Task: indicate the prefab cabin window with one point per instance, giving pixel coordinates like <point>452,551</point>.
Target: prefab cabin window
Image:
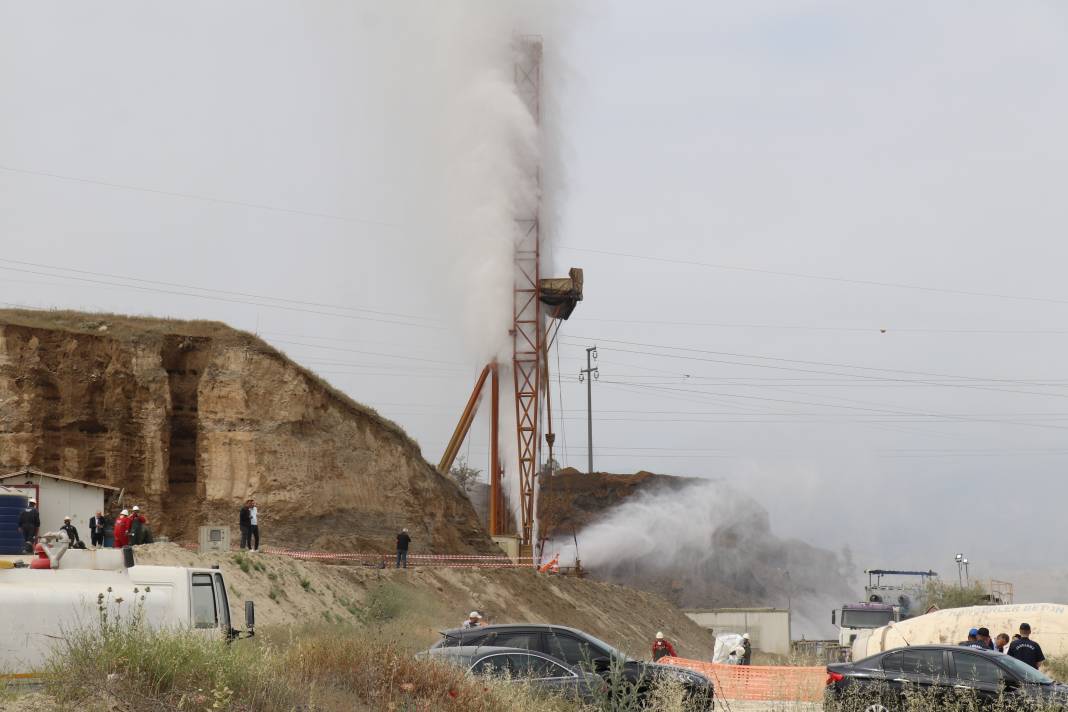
<point>205,614</point>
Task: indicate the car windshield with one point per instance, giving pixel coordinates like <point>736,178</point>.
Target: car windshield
<point>1025,672</point>
<point>854,618</point>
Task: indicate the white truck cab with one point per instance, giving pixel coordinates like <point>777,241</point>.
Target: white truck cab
<point>63,589</point>
<point>852,618</point>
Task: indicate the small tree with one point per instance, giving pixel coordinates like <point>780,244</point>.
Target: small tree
<point>464,474</point>
<point>943,595</point>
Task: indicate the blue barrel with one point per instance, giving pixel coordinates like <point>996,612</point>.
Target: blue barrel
<point>11,506</point>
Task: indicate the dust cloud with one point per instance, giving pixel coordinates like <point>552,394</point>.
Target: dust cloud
<point>707,545</point>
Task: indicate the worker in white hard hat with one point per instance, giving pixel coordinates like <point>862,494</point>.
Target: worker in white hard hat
<point>29,523</point>
<point>662,647</point>
<point>746,657</point>
<point>122,529</point>
<point>138,527</point>
<point>474,620</point>
<point>72,533</point>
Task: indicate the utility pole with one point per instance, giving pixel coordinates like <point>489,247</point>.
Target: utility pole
<point>589,374</point>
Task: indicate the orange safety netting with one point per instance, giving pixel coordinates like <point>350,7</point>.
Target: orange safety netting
<point>758,682</point>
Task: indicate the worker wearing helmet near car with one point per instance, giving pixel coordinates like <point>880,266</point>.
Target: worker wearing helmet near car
<point>662,647</point>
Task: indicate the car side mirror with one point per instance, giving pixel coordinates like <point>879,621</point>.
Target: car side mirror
<point>601,664</point>
<point>832,617</point>
<point>250,617</point>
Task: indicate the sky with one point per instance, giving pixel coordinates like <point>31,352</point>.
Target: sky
<point>819,238</point>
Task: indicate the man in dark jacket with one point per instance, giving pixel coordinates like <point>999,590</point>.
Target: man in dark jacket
<point>1026,650</point>
<point>403,540</point>
<point>97,525</point>
<point>72,534</point>
<point>29,523</point>
<point>244,521</point>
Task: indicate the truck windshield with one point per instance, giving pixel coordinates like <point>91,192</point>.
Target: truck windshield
<point>854,618</point>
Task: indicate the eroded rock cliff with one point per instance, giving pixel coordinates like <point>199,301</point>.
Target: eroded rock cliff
<point>193,417</point>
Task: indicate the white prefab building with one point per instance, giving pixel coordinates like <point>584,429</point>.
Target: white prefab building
<point>768,628</point>
<point>58,497</point>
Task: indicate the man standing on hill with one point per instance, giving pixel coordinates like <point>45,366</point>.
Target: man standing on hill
<point>1026,650</point>
<point>253,526</point>
<point>403,540</point>
<point>96,529</point>
<point>245,522</point>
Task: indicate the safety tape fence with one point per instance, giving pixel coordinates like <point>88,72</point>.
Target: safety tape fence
<point>760,682</point>
<point>472,561</point>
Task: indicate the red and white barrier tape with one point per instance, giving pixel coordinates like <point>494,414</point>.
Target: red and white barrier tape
<point>456,561</point>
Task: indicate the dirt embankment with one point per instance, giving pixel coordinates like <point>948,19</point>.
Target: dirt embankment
<point>422,601</point>
<point>191,418</point>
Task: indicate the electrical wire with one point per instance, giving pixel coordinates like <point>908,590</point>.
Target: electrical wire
<point>817,277</point>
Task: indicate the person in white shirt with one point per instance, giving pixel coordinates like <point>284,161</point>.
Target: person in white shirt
<point>254,526</point>
<point>473,621</point>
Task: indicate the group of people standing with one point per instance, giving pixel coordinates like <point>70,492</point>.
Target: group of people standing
<point>1020,646</point>
<point>130,527</point>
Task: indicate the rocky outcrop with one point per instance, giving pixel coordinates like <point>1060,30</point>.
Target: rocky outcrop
<point>193,417</point>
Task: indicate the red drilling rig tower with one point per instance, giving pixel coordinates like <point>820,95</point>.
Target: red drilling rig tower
<point>538,305</point>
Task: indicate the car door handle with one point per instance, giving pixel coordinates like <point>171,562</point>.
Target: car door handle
<point>899,679</point>
<point>961,687</point>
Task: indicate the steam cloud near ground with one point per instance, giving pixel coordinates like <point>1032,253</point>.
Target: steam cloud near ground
<point>706,545</point>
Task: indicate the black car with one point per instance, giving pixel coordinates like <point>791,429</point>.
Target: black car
<point>882,682</point>
<point>541,671</point>
<point>583,651</point>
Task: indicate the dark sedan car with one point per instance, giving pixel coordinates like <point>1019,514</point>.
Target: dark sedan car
<point>544,672</point>
<point>584,651</point>
<point>882,682</point>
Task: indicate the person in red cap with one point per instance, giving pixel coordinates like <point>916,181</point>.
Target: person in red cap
<point>662,647</point>
<point>122,529</point>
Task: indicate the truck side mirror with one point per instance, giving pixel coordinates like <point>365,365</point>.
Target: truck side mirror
<point>832,617</point>
<point>250,616</point>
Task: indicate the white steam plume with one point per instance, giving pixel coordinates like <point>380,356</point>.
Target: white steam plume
<point>704,545</point>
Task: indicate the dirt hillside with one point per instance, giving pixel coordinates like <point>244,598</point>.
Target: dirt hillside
<point>419,602</point>
<point>190,418</point>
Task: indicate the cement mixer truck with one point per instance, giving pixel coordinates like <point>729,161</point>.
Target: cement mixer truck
<point>61,589</point>
<point>886,601</point>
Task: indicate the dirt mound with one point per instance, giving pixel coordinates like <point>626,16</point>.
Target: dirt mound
<point>571,500</point>
<point>426,600</point>
<point>190,418</point>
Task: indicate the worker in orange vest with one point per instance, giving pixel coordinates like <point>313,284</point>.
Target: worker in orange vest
<point>662,647</point>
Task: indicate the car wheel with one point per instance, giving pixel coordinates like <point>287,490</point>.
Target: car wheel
<point>876,707</point>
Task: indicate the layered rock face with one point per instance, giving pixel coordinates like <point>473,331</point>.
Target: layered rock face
<point>191,418</point>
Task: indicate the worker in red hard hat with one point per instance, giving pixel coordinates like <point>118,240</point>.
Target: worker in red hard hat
<point>662,647</point>
<point>122,529</point>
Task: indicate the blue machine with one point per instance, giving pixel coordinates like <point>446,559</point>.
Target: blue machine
<point>11,506</point>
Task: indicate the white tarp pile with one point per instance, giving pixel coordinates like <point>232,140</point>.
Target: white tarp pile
<point>725,643</point>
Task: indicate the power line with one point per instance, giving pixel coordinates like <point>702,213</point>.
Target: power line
<point>193,196</point>
<point>808,327</point>
<point>973,385</point>
<point>818,277</point>
<point>267,305</point>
